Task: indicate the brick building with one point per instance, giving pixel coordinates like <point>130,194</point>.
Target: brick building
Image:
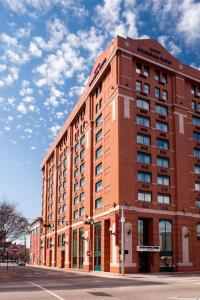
<point>132,142</point>
<point>35,242</point>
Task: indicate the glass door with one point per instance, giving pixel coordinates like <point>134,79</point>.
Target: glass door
<point>81,240</point>
<point>75,249</point>
<point>97,246</point>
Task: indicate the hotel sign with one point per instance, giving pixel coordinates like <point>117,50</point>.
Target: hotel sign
<point>148,248</point>
<point>155,54</point>
<point>97,70</point>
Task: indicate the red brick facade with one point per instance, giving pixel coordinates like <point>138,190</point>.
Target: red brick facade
<point>132,142</point>
<point>35,242</point>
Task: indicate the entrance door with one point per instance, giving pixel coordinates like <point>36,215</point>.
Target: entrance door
<point>50,258</point>
<point>97,246</point>
<point>62,259</point>
<point>81,242</point>
<point>75,249</point>
<point>143,262</point>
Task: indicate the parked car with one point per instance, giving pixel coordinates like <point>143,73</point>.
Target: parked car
<point>21,263</point>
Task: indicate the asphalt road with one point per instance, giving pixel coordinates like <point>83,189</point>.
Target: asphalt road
<point>21,283</point>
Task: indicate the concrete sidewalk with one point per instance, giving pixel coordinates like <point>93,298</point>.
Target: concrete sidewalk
<point>146,276</point>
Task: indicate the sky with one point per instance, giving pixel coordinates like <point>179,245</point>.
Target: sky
<point>47,51</point>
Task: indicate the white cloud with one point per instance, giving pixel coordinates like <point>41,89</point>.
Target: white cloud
<point>28,130</point>
<point>2,67</point>
<point>59,115</point>
<point>76,91</point>
<point>54,129</point>
<point>22,108</point>
<point>117,17</point>
<point>10,118</point>
<point>33,148</point>
<point>7,128</point>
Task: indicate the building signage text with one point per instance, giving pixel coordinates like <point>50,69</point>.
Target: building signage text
<point>148,248</point>
<point>96,71</point>
<point>154,54</point>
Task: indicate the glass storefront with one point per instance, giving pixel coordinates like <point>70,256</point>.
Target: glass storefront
<point>81,243</point>
<point>166,250</point>
<point>75,249</point>
<point>97,246</point>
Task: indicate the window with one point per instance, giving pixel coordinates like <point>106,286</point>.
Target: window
<point>192,89</point>
<point>144,196</point>
<point>63,220</point>
<point>163,198</point>
<point>146,89</point>
<point>82,140</point>
<point>99,136</point>
<point>197,169</point>
<point>60,198</point>
<point>198,231</point>
<point>196,136</point>
<point>143,139</point>
<point>164,95</point>
<point>81,211</point>
<point>76,214</point>
<point>100,103</point>
<point>143,121</point>
<point>138,86</point>
<point>165,236</point>
<point>64,208</point>
<point>76,159</point>
<point>162,110</point>
<point>157,76</point>
<point>196,153</point>
<point>63,239</point>
<point>59,240</point>
<point>82,196</point>
<point>197,203</point>
<point>64,161</point>
<point>82,153</point>
<point>163,180</point>
<point>146,71</point>
<point>76,187</point>
<point>162,126</point>
<point>98,120</point>
<point>196,121</point>
<point>162,162</point>
<point>164,78</point>
<point>64,184</point>
<point>193,105</point>
<point>64,196</point>
<point>143,158</point>
<point>197,186</point>
<point>162,144</point>
<point>99,152</point>
<point>64,172</point>
<point>157,92</point>
<point>76,146</point>
<point>144,176</point>
<point>98,203</point>
<point>82,182</point>
<point>138,68</point>
<point>144,104</point>
<point>99,169</point>
<point>98,186</point>
<point>76,200</point>
<point>76,173</point>
<point>82,168</point>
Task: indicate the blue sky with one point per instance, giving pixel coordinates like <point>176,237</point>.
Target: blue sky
<point>47,50</point>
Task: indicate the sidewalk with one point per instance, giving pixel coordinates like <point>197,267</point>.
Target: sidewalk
<point>146,276</point>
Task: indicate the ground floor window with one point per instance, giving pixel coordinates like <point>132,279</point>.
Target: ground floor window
<point>75,249</point>
<point>97,246</point>
<point>165,236</point>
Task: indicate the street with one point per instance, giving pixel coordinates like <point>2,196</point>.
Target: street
<point>22,283</point>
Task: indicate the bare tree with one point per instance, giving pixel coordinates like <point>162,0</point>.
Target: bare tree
<point>12,224</point>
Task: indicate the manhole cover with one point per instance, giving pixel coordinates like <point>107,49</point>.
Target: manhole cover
<point>100,294</point>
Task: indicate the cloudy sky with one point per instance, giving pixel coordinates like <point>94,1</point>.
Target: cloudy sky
<point>47,50</point>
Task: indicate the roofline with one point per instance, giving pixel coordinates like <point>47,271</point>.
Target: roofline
<point>88,89</point>
<point>74,111</point>
<point>38,219</point>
